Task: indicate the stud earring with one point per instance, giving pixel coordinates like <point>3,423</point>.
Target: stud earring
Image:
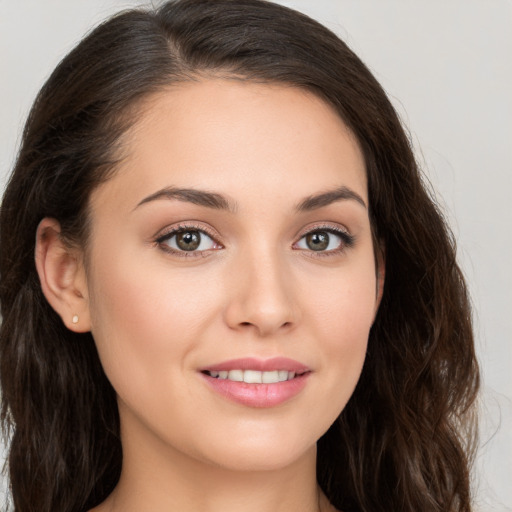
<point>75,319</point>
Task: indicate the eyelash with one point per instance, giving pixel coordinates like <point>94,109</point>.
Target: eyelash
<point>347,240</point>
<point>183,228</point>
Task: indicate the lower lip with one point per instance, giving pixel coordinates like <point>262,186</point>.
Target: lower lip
<point>258,395</point>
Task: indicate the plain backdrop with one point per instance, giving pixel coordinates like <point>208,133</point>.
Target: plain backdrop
<point>447,67</point>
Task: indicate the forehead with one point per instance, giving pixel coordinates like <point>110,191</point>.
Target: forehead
<point>237,137</point>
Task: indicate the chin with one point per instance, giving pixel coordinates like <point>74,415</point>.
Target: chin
<point>257,453</point>
<point>260,461</point>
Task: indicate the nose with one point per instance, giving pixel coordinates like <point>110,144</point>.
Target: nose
<point>261,297</point>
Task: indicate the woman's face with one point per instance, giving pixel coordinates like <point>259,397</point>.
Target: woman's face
<point>233,241</point>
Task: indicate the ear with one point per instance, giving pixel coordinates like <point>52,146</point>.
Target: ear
<point>62,276</point>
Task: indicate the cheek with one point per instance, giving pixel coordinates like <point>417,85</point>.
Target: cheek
<point>144,317</point>
<point>342,304</point>
<point>341,314</point>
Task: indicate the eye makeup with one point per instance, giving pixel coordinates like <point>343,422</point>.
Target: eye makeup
<point>197,240</point>
<point>317,240</point>
<point>188,240</point>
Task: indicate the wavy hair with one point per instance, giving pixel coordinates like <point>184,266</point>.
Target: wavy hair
<point>404,441</point>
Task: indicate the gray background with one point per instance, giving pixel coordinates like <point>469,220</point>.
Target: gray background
<point>447,66</point>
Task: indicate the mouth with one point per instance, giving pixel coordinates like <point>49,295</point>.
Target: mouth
<point>255,376</point>
<point>260,383</point>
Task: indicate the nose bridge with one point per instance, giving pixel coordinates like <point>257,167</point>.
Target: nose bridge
<point>261,295</point>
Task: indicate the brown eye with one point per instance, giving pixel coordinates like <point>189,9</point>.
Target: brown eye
<point>184,240</point>
<point>188,240</point>
<point>325,240</point>
<point>318,241</point>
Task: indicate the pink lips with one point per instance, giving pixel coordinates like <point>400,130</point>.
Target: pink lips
<point>258,395</point>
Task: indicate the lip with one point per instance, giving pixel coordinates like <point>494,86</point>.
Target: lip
<point>258,395</point>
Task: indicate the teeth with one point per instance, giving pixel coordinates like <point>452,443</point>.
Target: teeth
<point>254,376</point>
<point>236,375</point>
<point>270,377</point>
<point>282,375</point>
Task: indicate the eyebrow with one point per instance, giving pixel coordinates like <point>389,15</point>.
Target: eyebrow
<point>220,202</point>
<point>194,196</point>
<point>329,197</point>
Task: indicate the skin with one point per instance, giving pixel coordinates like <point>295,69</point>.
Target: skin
<point>256,290</point>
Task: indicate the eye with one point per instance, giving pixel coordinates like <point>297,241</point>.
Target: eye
<point>325,240</point>
<point>187,240</point>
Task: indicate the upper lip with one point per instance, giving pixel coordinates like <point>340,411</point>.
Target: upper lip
<point>262,365</point>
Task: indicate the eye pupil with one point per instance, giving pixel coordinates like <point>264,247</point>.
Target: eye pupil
<point>188,240</point>
<point>317,241</point>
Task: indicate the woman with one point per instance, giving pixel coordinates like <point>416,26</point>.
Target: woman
<point>242,295</point>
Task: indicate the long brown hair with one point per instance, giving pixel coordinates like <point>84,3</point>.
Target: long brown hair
<point>404,440</point>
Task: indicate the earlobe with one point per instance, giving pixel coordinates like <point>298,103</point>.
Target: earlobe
<point>62,276</point>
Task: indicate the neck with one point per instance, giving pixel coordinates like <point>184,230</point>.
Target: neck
<point>163,479</point>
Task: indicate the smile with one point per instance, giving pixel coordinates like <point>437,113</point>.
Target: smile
<point>254,376</point>
<point>257,383</point>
